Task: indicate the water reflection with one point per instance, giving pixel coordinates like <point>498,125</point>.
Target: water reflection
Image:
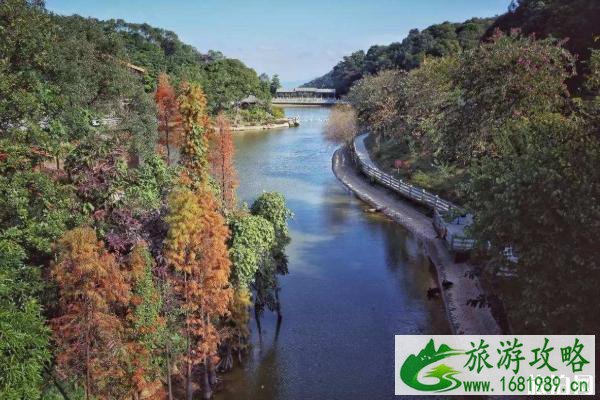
<point>355,280</point>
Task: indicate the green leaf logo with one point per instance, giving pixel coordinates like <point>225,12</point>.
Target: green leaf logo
<point>409,372</point>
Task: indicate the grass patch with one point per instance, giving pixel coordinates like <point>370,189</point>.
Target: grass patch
<point>442,179</point>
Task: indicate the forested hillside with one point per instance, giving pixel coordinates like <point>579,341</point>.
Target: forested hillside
<point>574,21</point>
<point>124,273</point>
<point>224,80</point>
<point>437,40</point>
<point>510,129</point>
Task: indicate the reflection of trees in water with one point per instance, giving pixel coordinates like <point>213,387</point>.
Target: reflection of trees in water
<point>414,274</point>
<point>266,291</point>
<point>262,377</point>
<point>405,260</point>
<point>267,377</point>
<point>395,245</point>
<point>336,205</point>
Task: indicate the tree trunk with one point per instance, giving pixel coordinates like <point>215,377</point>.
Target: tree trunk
<point>169,383</point>
<point>278,309</point>
<point>257,319</point>
<point>189,390</point>
<point>223,195</point>
<point>212,373</point>
<point>168,148</point>
<point>206,388</point>
<point>87,362</point>
<point>87,372</point>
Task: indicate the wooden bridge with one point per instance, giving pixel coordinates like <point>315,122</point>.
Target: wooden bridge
<point>449,220</point>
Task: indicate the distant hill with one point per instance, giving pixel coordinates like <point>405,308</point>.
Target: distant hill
<point>224,80</point>
<point>575,20</point>
<point>436,40</point>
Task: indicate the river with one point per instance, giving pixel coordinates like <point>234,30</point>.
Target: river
<point>355,279</point>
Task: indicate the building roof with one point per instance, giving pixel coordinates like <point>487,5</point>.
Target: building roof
<point>249,100</point>
<point>136,68</point>
<point>306,89</point>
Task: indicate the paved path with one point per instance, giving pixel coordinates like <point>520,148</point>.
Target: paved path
<point>463,318</point>
<point>361,150</point>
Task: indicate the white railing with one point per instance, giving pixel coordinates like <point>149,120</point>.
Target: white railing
<point>455,242</point>
<point>304,100</point>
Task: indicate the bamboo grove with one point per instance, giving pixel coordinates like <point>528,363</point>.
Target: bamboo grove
<point>127,269</point>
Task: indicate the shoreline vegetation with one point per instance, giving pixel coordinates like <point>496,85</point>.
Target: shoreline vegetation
<point>508,128</point>
<point>127,268</point>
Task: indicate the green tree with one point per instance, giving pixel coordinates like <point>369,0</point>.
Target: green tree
<point>196,128</point>
<point>509,78</point>
<point>275,84</point>
<point>574,21</point>
<point>430,100</point>
<point>541,199</point>
<point>25,45</point>
<point>35,210</point>
<point>271,206</point>
<point>252,239</point>
<point>377,99</point>
<point>228,81</point>
<point>146,349</point>
<point>24,336</point>
<point>250,250</point>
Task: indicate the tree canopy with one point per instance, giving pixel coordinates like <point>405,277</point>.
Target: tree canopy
<point>499,122</point>
<point>114,261</point>
<point>437,40</point>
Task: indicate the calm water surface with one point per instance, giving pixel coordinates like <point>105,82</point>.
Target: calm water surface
<point>355,279</point>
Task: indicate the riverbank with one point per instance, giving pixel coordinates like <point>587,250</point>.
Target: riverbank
<point>288,123</point>
<point>463,319</point>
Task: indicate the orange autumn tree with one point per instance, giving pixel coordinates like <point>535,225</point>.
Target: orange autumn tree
<point>169,119</point>
<point>196,250</point>
<point>196,131</point>
<point>221,160</point>
<point>88,330</point>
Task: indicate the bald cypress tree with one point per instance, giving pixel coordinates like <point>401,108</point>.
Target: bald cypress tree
<point>196,250</point>
<point>88,330</point>
<point>196,131</point>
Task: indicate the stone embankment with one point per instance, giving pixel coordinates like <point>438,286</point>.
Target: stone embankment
<point>283,123</point>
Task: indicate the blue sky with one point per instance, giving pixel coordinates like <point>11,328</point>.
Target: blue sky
<point>298,39</point>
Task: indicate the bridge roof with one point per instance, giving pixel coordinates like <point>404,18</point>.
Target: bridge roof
<point>306,89</point>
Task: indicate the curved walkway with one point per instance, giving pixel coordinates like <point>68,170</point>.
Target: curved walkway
<point>463,318</point>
